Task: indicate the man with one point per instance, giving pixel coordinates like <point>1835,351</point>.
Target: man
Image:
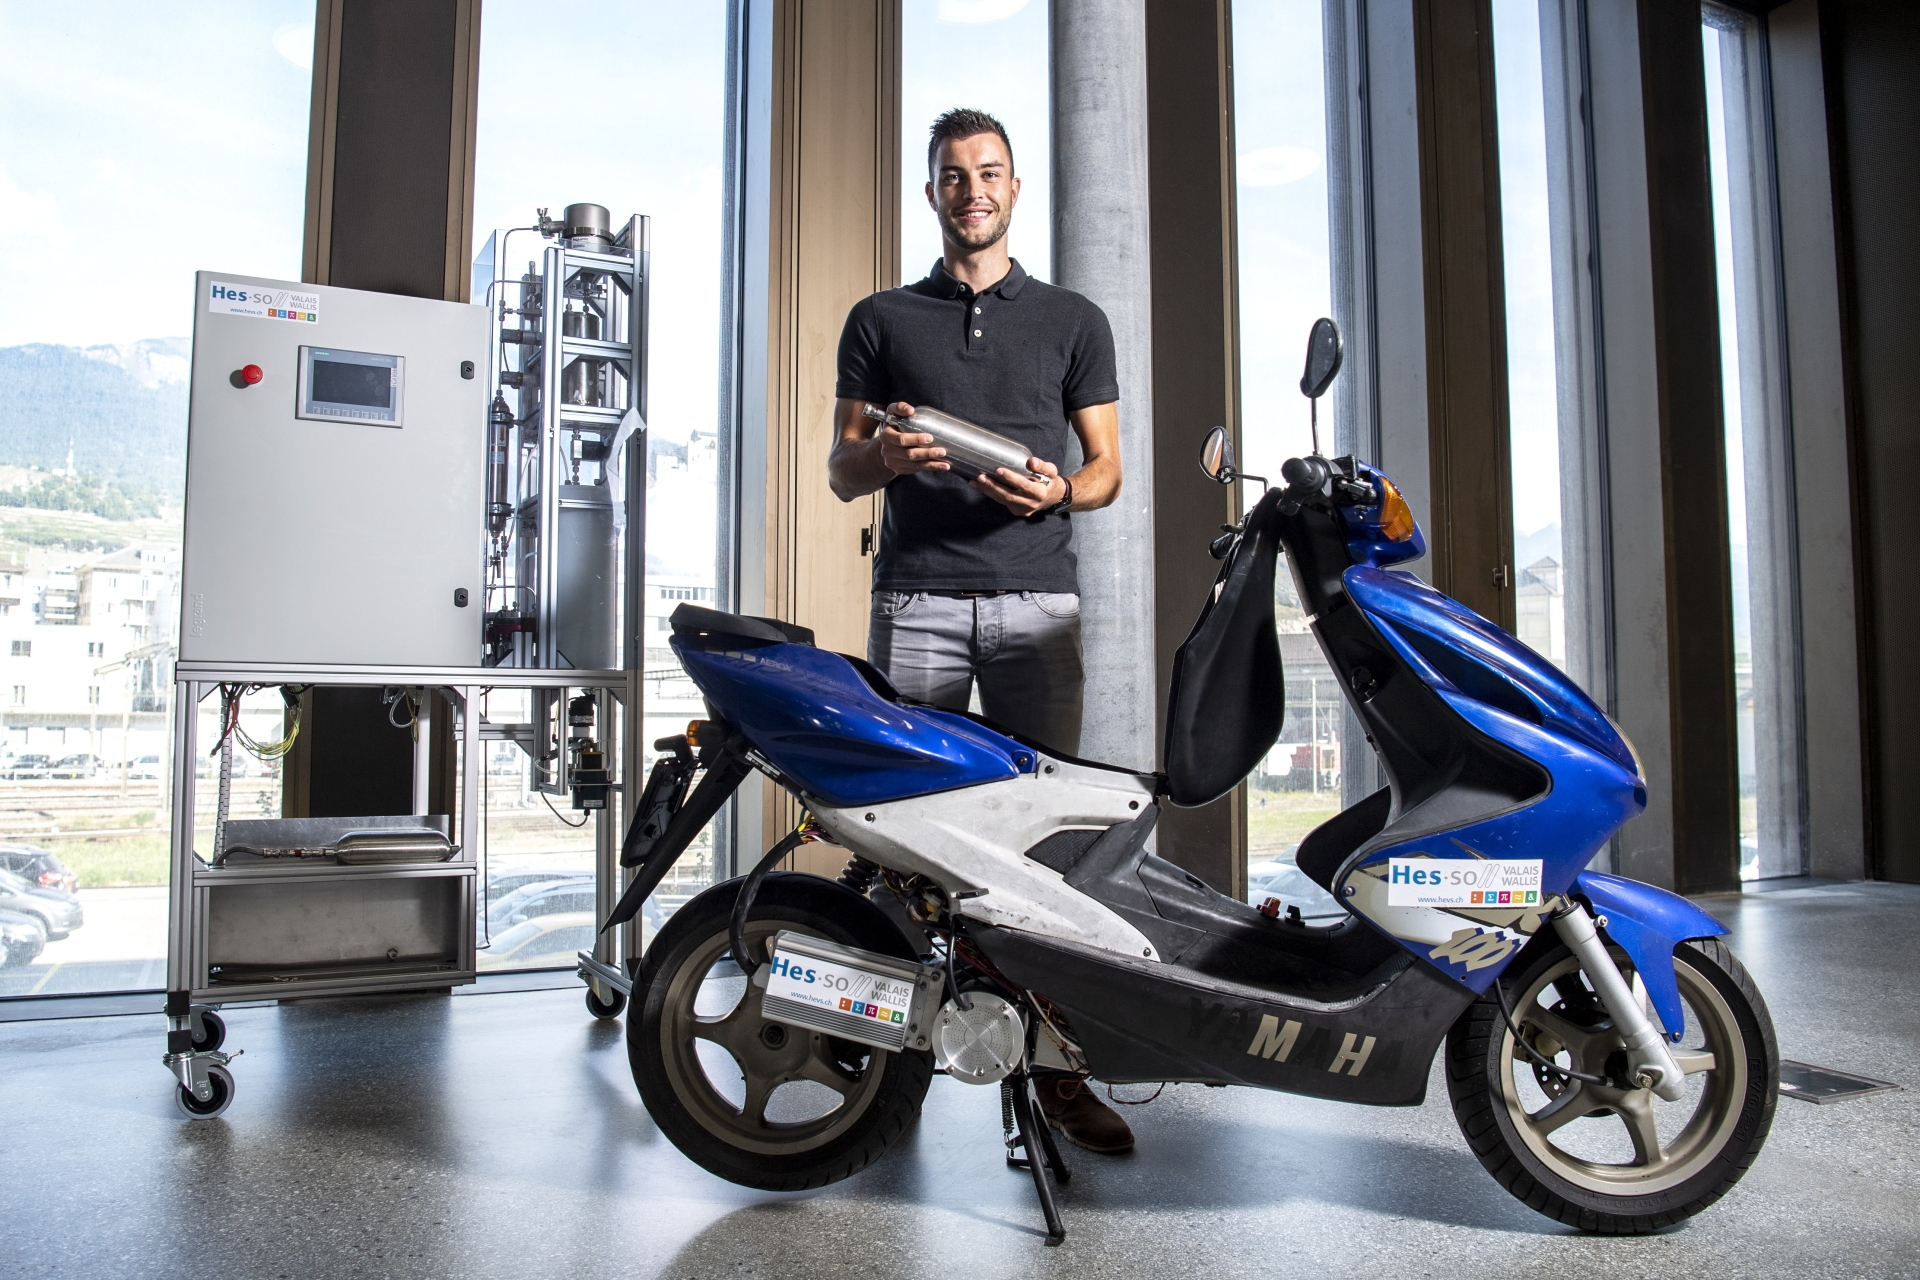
<point>974,582</point>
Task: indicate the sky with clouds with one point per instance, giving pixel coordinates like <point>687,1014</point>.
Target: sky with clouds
<point>144,142</point>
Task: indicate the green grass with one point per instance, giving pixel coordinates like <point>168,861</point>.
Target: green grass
<point>1277,819</point>
<point>115,862</point>
<point>25,527</point>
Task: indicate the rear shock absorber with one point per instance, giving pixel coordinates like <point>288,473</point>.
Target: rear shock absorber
<point>859,875</point>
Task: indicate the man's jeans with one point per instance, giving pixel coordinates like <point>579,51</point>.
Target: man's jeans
<point>1023,648</point>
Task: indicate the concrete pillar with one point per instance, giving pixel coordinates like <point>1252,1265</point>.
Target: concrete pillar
<point>1100,249</point>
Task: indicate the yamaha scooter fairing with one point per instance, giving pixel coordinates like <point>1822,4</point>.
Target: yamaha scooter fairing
<point>1608,1059</point>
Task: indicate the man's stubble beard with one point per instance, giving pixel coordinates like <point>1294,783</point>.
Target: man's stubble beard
<point>954,231</point>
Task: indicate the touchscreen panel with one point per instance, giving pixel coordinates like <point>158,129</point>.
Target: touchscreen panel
<point>351,386</point>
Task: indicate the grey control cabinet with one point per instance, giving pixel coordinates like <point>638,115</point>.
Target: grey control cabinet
<point>335,464</point>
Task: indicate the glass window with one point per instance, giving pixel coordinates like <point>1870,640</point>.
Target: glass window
<point>991,55</point>
<point>1285,282</point>
<point>131,133</point>
<point>1533,378</point>
<point>1760,519</point>
<point>644,133</point>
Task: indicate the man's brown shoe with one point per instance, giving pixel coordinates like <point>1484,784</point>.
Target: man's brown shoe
<point>1084,1120</point>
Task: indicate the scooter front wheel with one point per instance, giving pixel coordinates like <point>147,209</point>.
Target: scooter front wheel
<point>1611,1158</point>
<point>757,1102</point>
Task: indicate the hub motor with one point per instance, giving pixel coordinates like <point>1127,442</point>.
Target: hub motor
<point>982,1044</point>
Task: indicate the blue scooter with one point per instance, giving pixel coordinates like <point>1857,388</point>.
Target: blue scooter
<point>1608,1059</point>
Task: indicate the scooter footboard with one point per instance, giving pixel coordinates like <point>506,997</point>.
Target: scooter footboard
<point>1138,1021</point>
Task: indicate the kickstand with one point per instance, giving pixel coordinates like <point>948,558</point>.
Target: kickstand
<point>1032,1125</point>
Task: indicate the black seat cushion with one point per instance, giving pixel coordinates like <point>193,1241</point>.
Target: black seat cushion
<point>692,623</point>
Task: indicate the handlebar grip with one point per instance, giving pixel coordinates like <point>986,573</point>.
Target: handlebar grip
<point>1305,475</point>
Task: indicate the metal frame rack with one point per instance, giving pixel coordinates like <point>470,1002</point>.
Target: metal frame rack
<point>195,1031</point>
<point>561,606</point>
<point>553,466</point>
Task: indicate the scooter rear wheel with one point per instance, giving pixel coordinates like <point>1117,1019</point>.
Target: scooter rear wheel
<point>1615,1160</point>
<point>756,1102</point>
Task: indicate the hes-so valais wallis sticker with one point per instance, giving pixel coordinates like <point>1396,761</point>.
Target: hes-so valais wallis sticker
<point>262,304</point>
<point>1463,882</point>
<point>825,985</point>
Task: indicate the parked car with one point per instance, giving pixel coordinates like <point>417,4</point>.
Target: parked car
<point>83,765</point>
<point>542,899</point>
<point>145,767</point>
<point>29,766</point>
<point>21,939</point>
<point>1279,878</point>
<point>38,867</point>
<point>57,911</point>
<point>546,942</point>
<point>499,886</point>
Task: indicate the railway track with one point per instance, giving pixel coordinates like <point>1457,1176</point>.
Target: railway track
<point>54,810</point>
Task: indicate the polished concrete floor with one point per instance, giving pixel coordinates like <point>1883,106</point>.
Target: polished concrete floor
<point>500,1135</point>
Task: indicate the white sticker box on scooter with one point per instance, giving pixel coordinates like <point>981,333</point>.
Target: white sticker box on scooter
<point>1464,882</point>
<point>853,994</point>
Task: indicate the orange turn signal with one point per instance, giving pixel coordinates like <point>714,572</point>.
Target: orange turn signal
<point>693,732</point>
<point>1396,517</point>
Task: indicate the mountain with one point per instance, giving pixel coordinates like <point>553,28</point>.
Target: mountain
<point>123,407</point>
<point>1528,548</point>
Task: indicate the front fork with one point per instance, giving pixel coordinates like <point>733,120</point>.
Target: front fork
<point>1650,1064</point>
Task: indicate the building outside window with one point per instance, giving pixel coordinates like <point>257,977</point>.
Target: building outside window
<point>120,121</point>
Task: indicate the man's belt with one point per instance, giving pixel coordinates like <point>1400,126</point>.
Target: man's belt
<point>976,595</point>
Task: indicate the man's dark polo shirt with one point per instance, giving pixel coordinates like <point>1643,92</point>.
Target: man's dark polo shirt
<point>1015,359</point>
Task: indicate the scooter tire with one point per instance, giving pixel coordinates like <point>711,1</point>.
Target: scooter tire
<point>883,1097</point>
<point>1718,1142</point>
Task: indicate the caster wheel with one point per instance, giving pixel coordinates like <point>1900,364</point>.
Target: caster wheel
<point>194,1109</point>
<point>605,1009</point>
<point>213,1032</point>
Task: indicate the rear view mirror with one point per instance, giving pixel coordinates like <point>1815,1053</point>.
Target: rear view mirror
<point>1324,353</point>
<point>1216,456</point>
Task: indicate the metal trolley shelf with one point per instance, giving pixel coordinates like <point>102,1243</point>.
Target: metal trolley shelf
<point>263,928</point>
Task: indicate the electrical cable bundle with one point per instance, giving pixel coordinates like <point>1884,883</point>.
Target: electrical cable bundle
<point>230,696</point>
<point>230,733</point>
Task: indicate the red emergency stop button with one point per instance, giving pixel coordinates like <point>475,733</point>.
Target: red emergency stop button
<point>252,374</point>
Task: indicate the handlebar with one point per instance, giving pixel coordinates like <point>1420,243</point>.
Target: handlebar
<point>1307,478</point>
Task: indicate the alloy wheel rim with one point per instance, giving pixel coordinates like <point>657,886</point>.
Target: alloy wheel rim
<point>767,1054</point>
<point>1671,1141</point>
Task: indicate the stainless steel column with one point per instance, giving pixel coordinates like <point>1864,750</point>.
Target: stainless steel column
<point>1100,249</point>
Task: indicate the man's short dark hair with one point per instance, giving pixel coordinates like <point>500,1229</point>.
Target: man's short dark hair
<point>964,122</point>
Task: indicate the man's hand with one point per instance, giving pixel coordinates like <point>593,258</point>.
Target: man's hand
<point>907,452</point>
<point>864,461</point>
<point>1021,494</point>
